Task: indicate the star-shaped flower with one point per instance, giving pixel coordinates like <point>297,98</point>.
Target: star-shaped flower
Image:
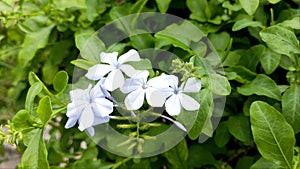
<point>176,97</point>
<point>114,68</point>
<point>89,107</point>
<point>138,87</point>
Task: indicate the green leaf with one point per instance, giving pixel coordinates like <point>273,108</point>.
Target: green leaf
<point>178,155</point>
<point>273,136</point>
<point>63,4</point>
<point>142,41</point>
<point>240,74</point>
<point>163,5</point>
<point>243,23</point>
<point>270,61</point>
<point>44,109</point>
<point>222,136</point>
<point>23,121</point>
<point>262,85</point>
<point>219,84</point>
<point>276,37</point>
<point>199,156</point>
<point>35,156</point>
<point>32,43</point>
<point>60,81</point>
<point>138,6</point>
<point>197,8</point>
<point>141,65</point>
<point>239,127</point>
<point>264,164</point>
<point>293,23</point>
<point>219,40</point>
<point>33,91</point>
<point>274,1</point>
<point>83,64</point>
<point>205,112</point>
<point>249,6</point>
<point>291,106</point>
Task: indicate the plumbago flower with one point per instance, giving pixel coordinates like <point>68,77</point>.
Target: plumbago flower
<point>89,107</point>
<point>114,68</point>
<point>138,87</point>
<point>176,97</point>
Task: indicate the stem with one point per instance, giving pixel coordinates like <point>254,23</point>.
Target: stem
<point>272,16</point>
<point>121,162</point>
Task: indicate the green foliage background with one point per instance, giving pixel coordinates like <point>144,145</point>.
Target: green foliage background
<point>258,41</point>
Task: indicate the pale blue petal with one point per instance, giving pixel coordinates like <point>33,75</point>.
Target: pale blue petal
<point>86,119</point>
<point>135,99</point>
<point>100,85</point>
<point>96,72</point>
<point>129,70</point>
<point>131,55</point>
<point>189,103</point>
<point>154,97</point>
<point>110,58</point>
<point>102,107</point>
<point>173,105</point>
<point>75,108</point>
<point>100,120</point>
<point>131,85</point>
<point>114,80</point>
<point>71,122</point>
<point>191,85</point>
<point>91,131</point>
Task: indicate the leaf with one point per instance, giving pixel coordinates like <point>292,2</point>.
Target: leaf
<point>142,41</point>
<point>35,156</point>
<point>239,127</point>
<point>240,74</point>
<point>205,112</point>
<point>273,136</point>
<point>138,6</point>
<point>291,106</point>
<point>143,64</point>
<point>264,164</point>
<point>222,136</point>
<point>44,109</point>
<point>262,85</point>
<point>60,81</point>
<point>199,156</point>
<point>249,6</point>
<point>243,23</point>
<point>163,5</point>
<point>33,91</point>
<point>32,43</point>
<point>219,84</point>
<point>270,61</point>
<point>178,155</point>
<point>197,8</point>
<point>23,121</point>
<point>276,37</point>
<point>219,40</point>
<point>293,23</point>
<point>274,1</point>
<point>63,4</point>
<point>83,64</point>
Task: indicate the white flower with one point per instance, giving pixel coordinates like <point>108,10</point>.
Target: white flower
<point>113,68</point>
<point>176,97</point>
<point>89,107</point>
<point>138,88</point>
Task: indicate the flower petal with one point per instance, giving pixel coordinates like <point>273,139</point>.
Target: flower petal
<point>189,103</point>
<point>191,85</point>
<point>75,108</point>
<point>131,85</point>
<point>173,105</point>
<point>96,72</point>
<point>129,70</point>
<point>110,58</point>
<point>86,119</point>
<point>154,97</point>
<point>91,131</point>
<point>135,99</point>
<point>131,55</point>
<point>71,122</point>
<point>100,120</point>
<point>102,107</point>
<point>114,80</point>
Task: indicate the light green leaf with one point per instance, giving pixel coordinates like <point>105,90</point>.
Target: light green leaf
<point>60,81</point>
<point>239,127</point>
<point>141,65</point>
<point>197,8</point>
<point>264,164</point>
<point>5,7</point>
<point>273,136</point>
<point>33,91</point>
<point>138,6</point>
<point>142,41</point>
<point>274,1</point>
<point>219,84</point>
<point>293,23</point>
<point>178,155</point>
<point>219,40</point>
<point>22,121</point>
<point>249,6</point>
<point>262,85</point>
<point>270,61</point>
<point>63,4</point>
<point>32,43</point>
<point>44,109</point>
<point>163,5</point>
<point>243,23</point>
<point>204,114</point>
<point>240,74</point>
<point>276,37</point>
<point>83,64</point>
<point>35,156</point>
<point>222,136</point>
<point>291,106</point>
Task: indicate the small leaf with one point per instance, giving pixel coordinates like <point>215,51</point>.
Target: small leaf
<point>291,106</point>
<point>243,23</point>
<point>239,127</point>
<point>35,156</point>
<point>270,61</point>
<point>222,136</point>
<point>249,6</point>
<point>63,4</point>
<point>219,84</point>
<point>274,1</point>
<point>178,155</point>
<point>60,81</point>
<point>273,136</point>
<point>143,64</point>
<point>265,164</point>
<point>293,23</point>
<point>262,85</point>
<point>23,121</point>
<point>83,64</point>
<point>138,6</point>
<point>33,91</point>
<point>197,8</point>
<point>276,37</point>
<point>163,5</point>
<point>44,109</point>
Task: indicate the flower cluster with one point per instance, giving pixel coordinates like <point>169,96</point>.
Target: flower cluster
<point>93,106</point>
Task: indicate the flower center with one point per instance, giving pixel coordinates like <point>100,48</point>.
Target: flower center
<point>176,91</point>
<point>117,66</point>
<point>145,85</point>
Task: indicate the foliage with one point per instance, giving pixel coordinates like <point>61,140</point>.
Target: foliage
<point>258,42</point>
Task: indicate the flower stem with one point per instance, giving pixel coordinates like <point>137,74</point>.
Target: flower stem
<point>121,162</point>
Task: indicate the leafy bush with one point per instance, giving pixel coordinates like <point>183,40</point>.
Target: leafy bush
<point>258,72</point>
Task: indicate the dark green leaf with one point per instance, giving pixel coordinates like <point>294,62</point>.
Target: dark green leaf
<point>243,23</point>
<point>178,155</point>
<point>197,8</point>
<point>138,6</point>
<point>264,164</point>
<point>60,81</point>
<point>163,5</point>
<point>44,109</point>
<point>273,136</point>
<point>222,136</point>
<point>239,127</point>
